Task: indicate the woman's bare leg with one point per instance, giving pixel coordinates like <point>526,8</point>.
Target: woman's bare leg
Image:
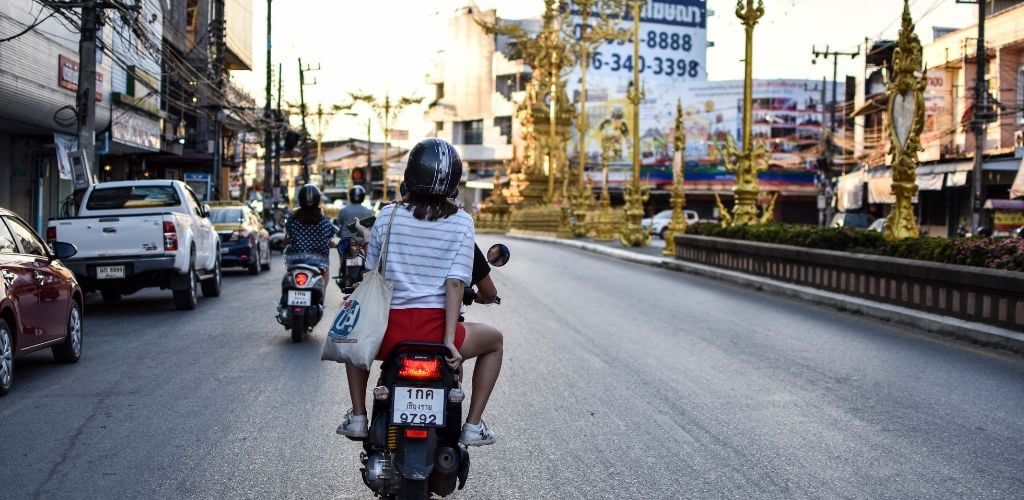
<point>485,343</point>
<point>357,378</point>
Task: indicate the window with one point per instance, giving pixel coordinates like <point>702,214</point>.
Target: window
<point>26,238</point>
<point>469,132</point>
<point>226,215</point>
<point>133,197</point>
<point>438,91</point>
<point>505,124</point>
<point>7,240</point>
<point>507,84</point>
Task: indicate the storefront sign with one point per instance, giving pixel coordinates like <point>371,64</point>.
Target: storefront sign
<point>65,144</point>
<point>133,129</point>
<point>67,76</point>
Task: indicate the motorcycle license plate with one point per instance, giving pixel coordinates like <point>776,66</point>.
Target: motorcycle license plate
<point>299,298</point>
<point>418,406</point>
<point>109,272</point>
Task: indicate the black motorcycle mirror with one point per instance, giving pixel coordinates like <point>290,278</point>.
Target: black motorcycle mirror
<point>498,255</point>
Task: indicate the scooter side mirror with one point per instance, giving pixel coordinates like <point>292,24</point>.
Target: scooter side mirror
<point>498,255</point>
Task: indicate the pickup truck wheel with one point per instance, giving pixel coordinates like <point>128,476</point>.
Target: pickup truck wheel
<point>6,357</point>
<point>185,299</point>
<point>662,233</point>
<point>71,349</point>
<point>211,285</point>
<point>110,296</point>
<point>254,267</point>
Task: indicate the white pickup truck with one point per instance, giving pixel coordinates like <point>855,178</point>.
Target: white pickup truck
<point>142,234</point>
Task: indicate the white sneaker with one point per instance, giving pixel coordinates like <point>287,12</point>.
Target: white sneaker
<point>476,435</point>
<point>354,426</point>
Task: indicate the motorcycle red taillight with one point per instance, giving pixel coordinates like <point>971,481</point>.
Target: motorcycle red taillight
<point>416,433</point>
<point>419,369</point>
<point>301,279</point>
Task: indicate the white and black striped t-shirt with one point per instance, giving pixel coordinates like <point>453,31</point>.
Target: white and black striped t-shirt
<point>422,255</point>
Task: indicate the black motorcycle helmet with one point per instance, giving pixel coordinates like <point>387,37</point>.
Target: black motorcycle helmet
<point>434,168</point>
<point>309,196</point>
<point>356,195</point>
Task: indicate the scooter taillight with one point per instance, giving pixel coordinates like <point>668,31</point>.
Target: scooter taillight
<point>419,369</point>
<point>416,433</point>
<point>301,279</point>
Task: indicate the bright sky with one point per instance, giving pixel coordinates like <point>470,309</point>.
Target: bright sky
<point>386,45</point>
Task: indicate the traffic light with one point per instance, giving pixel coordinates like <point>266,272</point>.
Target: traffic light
<point>358,177</point>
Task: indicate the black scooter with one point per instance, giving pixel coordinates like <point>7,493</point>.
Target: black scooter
<point>413,450</point>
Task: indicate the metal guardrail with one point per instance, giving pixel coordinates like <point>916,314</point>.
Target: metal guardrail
<point>983,295</point>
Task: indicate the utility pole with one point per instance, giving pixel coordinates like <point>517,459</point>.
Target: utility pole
<point>219,47</point>
<point>85,98</point>
<point>268,136</point>
<point>830,148</point>
<point>278,120</point>
<point>302,109</point>
<point>982,115</point>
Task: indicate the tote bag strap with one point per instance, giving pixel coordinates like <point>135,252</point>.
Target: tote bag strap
<point>381,265</point>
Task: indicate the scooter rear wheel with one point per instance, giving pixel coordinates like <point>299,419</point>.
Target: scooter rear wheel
<point>298,329</point>
<point>414,490</point>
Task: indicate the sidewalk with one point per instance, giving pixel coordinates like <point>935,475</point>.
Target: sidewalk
<point>977,333</point>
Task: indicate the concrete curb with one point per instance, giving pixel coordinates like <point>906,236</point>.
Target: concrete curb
<point>978,333</point>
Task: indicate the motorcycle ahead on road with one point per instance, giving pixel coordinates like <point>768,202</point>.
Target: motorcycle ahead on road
<point>412,450</point>
<point>302,298</point>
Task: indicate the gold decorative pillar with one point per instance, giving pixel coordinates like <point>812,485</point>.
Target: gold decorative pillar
<point>745,163</point>
<point>633,234</point>
<point>906,121</point>
<point>678,223</point>
<point>604,226</point>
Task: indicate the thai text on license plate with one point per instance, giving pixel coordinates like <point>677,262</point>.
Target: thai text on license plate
<point>109,272</point>
<point>421,406</point>
<point>299,298</point>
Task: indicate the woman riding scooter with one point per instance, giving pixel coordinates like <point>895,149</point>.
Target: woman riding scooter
<point>430,262</point>
<point>309,234</point>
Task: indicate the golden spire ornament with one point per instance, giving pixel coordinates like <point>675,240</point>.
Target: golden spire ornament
<point>678,223</point>
<point>906,121</point>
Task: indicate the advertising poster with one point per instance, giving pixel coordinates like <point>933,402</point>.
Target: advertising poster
<point>787,114</point>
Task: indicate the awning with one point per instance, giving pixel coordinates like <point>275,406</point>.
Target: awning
<point>1005,205</point>
<point>956,179</point>
<point>945,168</point>
<point>880,186</point>
<point>930,182</point>
<point>873,104</point>
<point>850,192</point>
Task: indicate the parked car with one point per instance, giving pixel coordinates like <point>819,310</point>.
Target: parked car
<point>878,225</point>
<point>142,234</point>
<point>40,301</point>
<point>853,220</point>
<point>660,221</point>
<point>244,242</point>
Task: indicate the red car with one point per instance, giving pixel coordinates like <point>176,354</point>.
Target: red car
<point>40,301</point>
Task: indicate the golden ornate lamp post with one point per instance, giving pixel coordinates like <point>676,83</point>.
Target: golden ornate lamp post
<point>906,121</point>
<point>593,32</point>
<point>611,147</point>
<point>745,163</point>
<point>678,223</point>
<point>633,234</point>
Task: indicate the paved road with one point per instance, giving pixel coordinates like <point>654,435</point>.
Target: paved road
<point>620,381</point>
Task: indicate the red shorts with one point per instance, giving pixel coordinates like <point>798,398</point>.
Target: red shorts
<point>417,325</point>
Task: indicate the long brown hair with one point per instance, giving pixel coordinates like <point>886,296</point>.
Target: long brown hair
<point>308,215</point>
<point>429,206</point>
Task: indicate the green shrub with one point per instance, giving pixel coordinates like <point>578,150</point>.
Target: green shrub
<point>1002,253</point>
